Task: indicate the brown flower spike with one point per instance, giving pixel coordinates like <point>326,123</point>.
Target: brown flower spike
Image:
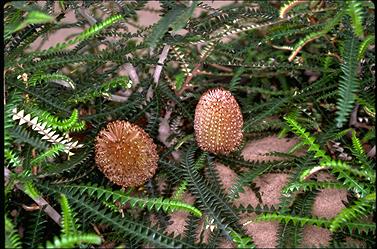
<point>218,122</point>
<point>126,154</point>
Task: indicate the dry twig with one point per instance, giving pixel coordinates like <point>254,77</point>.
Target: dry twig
<point>42,203</point>
<point>160,64</point>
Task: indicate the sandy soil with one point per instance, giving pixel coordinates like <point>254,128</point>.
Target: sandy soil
<point>327,204</point>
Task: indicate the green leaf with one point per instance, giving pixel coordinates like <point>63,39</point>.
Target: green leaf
<point>50,153</point>
<point>176,18</point>
<point>72,240</point>
<point>364,46</point>
<point>68,223</point>
<point>33,17</point>
<point>24,6</point>
<point>236,79</point>
<point>157,203</point>
<point>361,208</point>
<point>185,16</point>
<point>36,17</point>
<point>12,237</point>
<point>349,83</point>
<point>299,220</point>
<point>127,227</point>
<point>242,242</point>
<point>30,190</point>
<point>307,138</point>
<point>179,78</point>
<point>355,10</point>
<point>86,34</point>
<point>35,227</point>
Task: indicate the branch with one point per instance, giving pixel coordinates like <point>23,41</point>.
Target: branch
<point>42,203</point>
<point>158,70</point>
<point>115,98</point>
<point>160,64</point>
<point>131,71</point>
<point>372,152</point>
<point>88,17</point>
<point>192,74</point>
<point>222,68</point>
<point>353,116</point>
<point>4,95</point>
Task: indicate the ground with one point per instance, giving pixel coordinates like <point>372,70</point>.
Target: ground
<point>327,204</point>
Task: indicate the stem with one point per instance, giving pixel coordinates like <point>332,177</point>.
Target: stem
<point>158,70</point>
<point>131,71</point>
<point>160,64</point>
<point>42,203</point>
<point>372,152</point>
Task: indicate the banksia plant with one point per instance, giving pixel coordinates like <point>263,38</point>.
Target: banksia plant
<point>218,122</point>
<point>292,80</point>
<point>125,154</point>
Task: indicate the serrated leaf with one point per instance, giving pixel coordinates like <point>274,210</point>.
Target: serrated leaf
<point>170,19</point>
<point>36,17</point>
<point>179,80</point>
<point>185,16</point>
<point>349,82</point>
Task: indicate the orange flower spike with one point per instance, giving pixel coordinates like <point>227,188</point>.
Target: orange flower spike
<point>126,154</point>
<point>218,122</point>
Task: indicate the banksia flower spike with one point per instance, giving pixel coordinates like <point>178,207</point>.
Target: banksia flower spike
<point>218,122</point>
<point>126,154</point>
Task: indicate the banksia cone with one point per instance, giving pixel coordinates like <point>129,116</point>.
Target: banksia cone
<point>126,154</point>
<point>218,122</point>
